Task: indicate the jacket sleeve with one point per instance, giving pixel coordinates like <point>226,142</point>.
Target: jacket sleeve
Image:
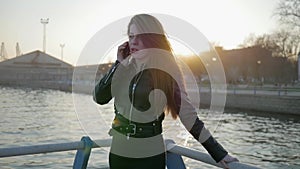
<point>102,90</point>
<point>196,128</point>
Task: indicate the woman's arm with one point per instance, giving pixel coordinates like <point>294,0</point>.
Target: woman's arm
<point>102,90</point>
<point>196,128</point>
<point>208,141</point>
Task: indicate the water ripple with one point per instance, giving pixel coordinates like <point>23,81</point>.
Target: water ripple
<point>48,116</point>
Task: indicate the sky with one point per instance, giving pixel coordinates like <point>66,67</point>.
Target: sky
<point>74,22</point>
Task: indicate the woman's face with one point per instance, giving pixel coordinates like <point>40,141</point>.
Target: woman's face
<point>135,43</point>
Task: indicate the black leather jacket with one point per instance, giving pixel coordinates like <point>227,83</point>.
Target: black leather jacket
<point>142,85</point>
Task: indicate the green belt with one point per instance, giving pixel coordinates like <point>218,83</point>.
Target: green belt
<point>135,129</point>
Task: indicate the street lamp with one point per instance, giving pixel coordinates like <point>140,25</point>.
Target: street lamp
<point>44,22</point>
<point>258,70</point>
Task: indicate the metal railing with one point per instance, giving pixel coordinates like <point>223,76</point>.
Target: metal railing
<point>293,91</point>
<point>84,147</point>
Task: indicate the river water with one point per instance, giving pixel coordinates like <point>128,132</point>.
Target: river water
<point>40,116</point>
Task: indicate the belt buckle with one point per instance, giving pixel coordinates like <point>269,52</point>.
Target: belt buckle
<point>133,129</point>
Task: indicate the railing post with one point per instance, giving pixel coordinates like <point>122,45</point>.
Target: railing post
<point>174,161</point>
<point>285,90</point>
<point>82,155</point>
<point>234,89</point>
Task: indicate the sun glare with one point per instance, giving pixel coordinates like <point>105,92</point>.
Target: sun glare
<point>180,49</point>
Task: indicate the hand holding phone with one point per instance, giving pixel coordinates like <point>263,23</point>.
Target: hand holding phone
<point>123,51</point>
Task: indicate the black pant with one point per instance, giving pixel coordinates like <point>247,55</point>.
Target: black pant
<point>154,162</point>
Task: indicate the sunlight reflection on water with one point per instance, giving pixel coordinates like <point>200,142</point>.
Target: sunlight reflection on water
<point>31,117</point>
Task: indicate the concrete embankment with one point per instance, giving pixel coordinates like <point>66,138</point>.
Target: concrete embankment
<point>55,85</point>
<point>262,103</point>
<point>273,103</point>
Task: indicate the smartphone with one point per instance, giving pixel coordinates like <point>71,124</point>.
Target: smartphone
<point>126,51</point>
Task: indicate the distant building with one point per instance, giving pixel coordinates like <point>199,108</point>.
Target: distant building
<point>247,64</point>
<point>36,69</point>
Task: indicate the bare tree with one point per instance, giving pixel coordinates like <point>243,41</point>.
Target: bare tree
<point>288,12</point>
<point>250,40</point>
<point>282,43</point>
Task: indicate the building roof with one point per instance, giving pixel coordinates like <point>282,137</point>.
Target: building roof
<point>35,59</point>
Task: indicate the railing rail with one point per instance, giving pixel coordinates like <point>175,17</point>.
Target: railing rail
<point>203,157</point>
<point>86,144</point>
<point>38,149</point>
<point>48,148</point>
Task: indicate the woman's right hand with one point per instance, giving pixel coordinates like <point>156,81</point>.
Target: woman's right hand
<point>228,159</point>
<point>123,51</point>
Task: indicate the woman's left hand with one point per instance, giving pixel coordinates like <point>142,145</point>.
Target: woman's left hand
<point>228,159</point>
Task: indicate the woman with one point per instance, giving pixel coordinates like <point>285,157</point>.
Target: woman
<point>146,85</point>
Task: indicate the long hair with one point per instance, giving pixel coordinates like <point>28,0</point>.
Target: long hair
<point>153,36</point>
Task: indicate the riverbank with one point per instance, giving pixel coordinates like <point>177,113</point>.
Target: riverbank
<point>260,103</point>
<point>260,100</point>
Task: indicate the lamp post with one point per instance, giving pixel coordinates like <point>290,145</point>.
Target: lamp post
<point>62,51</point>
<point>44,22</point>
<point>299,67</point>
<point>18,50</point>
<point>258,70</point>
<point>3,53</point>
